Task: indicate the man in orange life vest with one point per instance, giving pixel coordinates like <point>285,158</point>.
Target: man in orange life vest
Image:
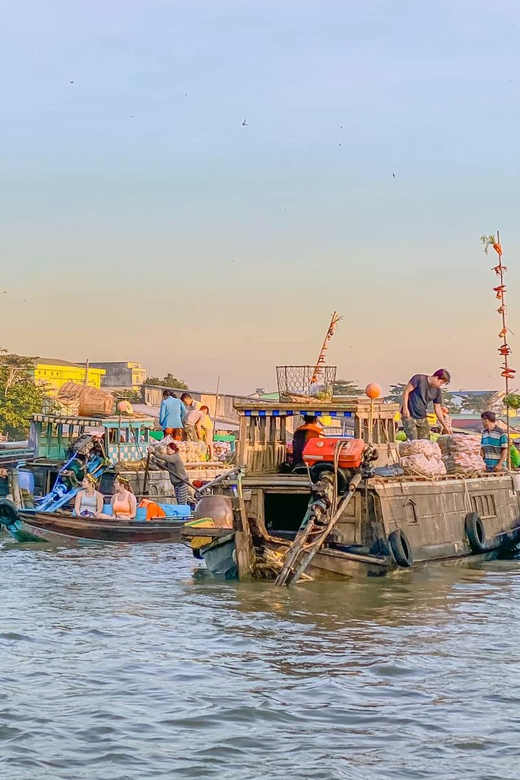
<point>309,430</point>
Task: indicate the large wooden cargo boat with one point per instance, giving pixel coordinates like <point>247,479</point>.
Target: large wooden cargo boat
<point>388,522</point>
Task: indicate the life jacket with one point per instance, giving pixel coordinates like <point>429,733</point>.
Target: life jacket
<point>153,510</point>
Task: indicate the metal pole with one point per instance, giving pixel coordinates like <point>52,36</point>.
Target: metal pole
<point>216,407</point>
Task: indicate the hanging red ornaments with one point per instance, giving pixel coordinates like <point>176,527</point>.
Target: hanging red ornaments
<point>508,373</point>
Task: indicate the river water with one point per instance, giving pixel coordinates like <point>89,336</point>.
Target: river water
<point>117,663</point>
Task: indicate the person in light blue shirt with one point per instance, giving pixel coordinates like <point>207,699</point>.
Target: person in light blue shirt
<point>171,415</point>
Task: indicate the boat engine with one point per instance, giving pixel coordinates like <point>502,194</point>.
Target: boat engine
<point>346,456</point>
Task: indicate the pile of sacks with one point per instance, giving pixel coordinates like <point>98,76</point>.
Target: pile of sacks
<point>190,451</point>
<point>421,458</point>
<point>461,454</point>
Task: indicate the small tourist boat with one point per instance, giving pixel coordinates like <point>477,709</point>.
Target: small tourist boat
<point>63,528</point>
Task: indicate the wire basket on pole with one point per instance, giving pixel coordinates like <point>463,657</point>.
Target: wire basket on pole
<point>300,384</point>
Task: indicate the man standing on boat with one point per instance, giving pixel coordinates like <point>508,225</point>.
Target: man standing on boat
<point>494,443</point>
<point>171,415</point>
<point>418,393</point>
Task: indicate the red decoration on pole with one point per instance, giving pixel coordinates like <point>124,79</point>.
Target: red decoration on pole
<point>504,350</point>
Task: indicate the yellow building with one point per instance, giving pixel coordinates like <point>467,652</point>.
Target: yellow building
<point>54,373</point>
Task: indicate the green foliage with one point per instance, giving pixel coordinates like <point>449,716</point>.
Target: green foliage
<point>476,404</point>
<point>488,241</point>
<point>448,400</point>
<point>168,381</point>
<point>395,395</point>
<point>130,395</point>
<point>512,401</point>
<point>20,395</point>
<point>346,387</point>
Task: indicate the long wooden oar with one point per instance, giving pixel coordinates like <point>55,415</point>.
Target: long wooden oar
<point>146,473</point>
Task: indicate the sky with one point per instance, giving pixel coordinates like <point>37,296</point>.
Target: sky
<point>141,219</point>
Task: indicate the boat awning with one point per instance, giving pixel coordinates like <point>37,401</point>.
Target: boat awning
<point>221,423</point>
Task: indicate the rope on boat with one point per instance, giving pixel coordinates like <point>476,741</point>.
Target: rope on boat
<point>322,514</point>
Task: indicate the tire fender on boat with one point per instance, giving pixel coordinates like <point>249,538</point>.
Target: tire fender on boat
<point>401,549</point>
<point>475,533</point>
<point>8,513</point>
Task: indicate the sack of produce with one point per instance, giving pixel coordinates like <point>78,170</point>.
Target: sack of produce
<point>461,454</point>
<point>422,466</point>
<point>430,449</point>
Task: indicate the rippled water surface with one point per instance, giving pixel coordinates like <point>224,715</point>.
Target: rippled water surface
<point>117,663</point>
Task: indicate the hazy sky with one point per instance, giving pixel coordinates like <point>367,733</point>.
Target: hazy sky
<point>140,220</point>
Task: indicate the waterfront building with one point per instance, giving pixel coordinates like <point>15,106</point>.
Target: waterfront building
<point>119,373</point>
<point>54,373</point>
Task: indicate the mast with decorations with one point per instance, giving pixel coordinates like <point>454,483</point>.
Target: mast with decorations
<point>508,373</point>
<point>324,347</point>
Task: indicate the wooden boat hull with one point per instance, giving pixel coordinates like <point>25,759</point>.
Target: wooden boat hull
<point>432,516</point>
<point>220,558</point>
<point>62,528</point>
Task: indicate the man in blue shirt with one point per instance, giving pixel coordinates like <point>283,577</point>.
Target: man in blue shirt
<point>494,443</point>
<point>172,414</point>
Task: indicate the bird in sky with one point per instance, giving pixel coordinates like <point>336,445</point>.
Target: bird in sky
<point>71,82</point>
<point>244,123</point>
<point>393,175</point>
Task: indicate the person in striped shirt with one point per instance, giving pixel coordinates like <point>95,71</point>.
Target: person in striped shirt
<point>494,443</point>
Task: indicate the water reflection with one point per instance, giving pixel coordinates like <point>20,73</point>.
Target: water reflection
<point>118,663</point>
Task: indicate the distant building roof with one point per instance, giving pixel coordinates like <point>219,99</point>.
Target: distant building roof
<point>470,392</point>
<point>65,363</point>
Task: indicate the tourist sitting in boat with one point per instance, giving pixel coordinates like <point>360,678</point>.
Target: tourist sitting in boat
<point>418,393</point>
<point>309,430</point>
<point>171,415</point>
<point>123,503</point>
<point>89,501</point>
<point>494,443</point>
<point>168,459</point>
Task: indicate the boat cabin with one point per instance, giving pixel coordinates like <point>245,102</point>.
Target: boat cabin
<point>126,438</point>
<point>266,429</point>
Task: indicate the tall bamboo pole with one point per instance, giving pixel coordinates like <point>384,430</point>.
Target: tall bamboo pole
<point>321,357</point>
<point>504,350</point>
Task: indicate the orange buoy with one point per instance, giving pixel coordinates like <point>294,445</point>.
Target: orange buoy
<point>373,390</point>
